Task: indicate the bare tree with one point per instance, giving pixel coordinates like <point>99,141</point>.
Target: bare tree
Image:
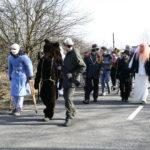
<point>29,22</point>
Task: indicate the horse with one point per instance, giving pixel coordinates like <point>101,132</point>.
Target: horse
<point>48,74</point>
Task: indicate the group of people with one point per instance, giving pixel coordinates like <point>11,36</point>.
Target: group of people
<point>103,65</point>
<point>51,69</point>
<point>97,65</point>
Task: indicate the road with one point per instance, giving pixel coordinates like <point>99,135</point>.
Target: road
<point>104,125</point>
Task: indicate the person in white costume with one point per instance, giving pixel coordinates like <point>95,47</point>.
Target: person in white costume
<point>140,65</point>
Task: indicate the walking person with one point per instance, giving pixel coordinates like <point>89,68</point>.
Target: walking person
<point>92,74</point>
<point>124,75</point>
<point>129,49</point>
<point>140,65</point>
<point>73,65</point>
<point>105,70</point>
<point>113,71</point>
<point>20,71</point>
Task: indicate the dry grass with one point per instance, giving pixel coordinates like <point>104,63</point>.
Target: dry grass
<point>4,89</point>
<point>4,86</point>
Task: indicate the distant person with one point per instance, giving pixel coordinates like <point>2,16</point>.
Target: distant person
<point>128,49</point>
<point>73,65</point>
<point>92,74</point>
<point>105,70</point>
<point>20,71</point>
<point>113,70</point>
<point>124,75</point>
<point>140,65</point>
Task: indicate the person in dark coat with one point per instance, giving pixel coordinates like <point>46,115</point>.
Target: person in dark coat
<point>48,73</point>
<point>73,65</point>
<point>92,74</point>
<point>113,70</point>
<point>125,76</point>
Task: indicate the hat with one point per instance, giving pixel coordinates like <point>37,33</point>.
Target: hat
<point>68,42</point>
<point>104,48</point>
<point>128,47</point>
<point>126,52</point>
<point>95,47</point>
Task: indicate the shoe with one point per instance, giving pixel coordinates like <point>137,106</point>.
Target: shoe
<point>68,122</point>
<point>122,99</point>
<point>102,94</point>
<point>13,111</point>
<point>46,119</point>
<point>143,102</point>
<point>126,99</point>
<point>87,101</point>
<point>95,100</point>
<point>114,88</point>
<point>17,112</point>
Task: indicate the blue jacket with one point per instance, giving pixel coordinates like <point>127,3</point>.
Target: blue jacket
<point>107,62</point>
<point>20,69</point>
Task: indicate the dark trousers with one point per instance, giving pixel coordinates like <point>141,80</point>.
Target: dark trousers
<point>91,84</point>
<point>125,88</point>
<point>113,76</point>
<point>48,95</point>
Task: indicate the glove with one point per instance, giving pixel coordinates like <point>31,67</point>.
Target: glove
<point>36,85</point>
<point>60,85</point>
<point>76,82</point>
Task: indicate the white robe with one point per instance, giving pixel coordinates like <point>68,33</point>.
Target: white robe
<point>141,84</point>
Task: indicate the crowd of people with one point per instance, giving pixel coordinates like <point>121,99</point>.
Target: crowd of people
<point>98,67</point>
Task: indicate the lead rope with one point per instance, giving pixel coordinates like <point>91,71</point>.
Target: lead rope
<point>50,79</point>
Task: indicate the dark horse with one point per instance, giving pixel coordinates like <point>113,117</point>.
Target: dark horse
<point>48,74</point>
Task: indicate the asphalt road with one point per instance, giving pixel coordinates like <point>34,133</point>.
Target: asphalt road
<point>104,125</point>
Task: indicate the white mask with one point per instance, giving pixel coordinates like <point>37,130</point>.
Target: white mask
<point>15,49</point>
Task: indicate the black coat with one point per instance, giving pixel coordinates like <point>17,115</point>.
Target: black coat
<point>135,66</point>
<point>123,72</point>
<point>93,67</point>
<point>73,63</point>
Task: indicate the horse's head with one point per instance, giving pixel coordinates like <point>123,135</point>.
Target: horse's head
<point>52,48</point>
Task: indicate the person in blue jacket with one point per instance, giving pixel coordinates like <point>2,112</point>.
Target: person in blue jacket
<point>20,71</point>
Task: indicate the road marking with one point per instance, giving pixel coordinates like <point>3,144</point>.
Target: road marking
<point>131,117</point>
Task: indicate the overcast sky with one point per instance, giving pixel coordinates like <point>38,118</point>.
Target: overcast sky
<point>128,19</point>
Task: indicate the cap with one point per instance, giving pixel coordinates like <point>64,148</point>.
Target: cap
<point>128,47</point>
<point>104,48</point>
<point>68,42</point>
<point>95,47</point>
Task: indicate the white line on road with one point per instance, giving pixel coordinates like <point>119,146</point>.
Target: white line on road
<point>131,117</point>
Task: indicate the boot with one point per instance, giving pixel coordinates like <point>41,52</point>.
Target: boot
<point>86,101</point>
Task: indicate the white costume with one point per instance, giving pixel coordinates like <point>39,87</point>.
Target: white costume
<point>141,79</point>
